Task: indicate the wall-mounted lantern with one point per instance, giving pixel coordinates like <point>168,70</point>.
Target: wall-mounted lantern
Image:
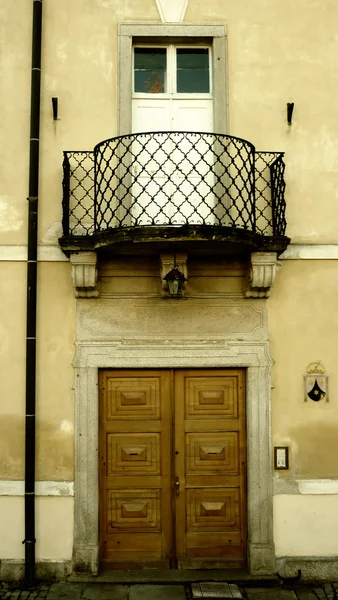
<point>175,280</point>
<point>174,274</point>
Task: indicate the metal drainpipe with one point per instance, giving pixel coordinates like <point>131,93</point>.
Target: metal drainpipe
<point>29,540</point>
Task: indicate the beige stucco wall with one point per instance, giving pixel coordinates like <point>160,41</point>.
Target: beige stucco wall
<point>54,528</point>
<point>305,525</point>
<point>303,324</point>
<point>277,53</point>
<point>304,328</point>
<point>15,34</point>
<point>283,52</point>
<point>55,350</point>
<point>12,369</point>
<point>55,381</point>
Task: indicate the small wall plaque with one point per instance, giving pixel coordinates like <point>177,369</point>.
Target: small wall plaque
<point>316,383</point>
<point>281,458</point>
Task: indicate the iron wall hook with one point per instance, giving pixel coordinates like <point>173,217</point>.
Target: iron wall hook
<point>55,108</point>
<point>289,109</point>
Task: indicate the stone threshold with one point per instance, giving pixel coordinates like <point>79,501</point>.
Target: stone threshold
<point>173,576</point>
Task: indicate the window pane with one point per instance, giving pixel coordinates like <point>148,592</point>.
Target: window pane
<point>150,65</point>
<point>192,58</point>
<point>193,70</point>
<point>193,81</point>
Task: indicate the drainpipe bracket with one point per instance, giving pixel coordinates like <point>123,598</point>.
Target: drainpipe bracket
<point>262,274</point>
<point>84,274</point>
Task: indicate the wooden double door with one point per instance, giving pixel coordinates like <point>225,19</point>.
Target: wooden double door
<point>172,469</point>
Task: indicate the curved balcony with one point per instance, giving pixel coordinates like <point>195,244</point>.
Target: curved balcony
<point>177,187</point>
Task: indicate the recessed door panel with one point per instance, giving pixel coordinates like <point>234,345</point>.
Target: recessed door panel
<point>127,399</point>
<point>172,477</point>
<point>211,397</point>
<point>134,510</point>
<point>214,452</point>
<point>134,453</point>
<point>211,509</point>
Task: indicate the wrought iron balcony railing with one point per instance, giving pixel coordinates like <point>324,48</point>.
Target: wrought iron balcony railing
<point>173,179</point>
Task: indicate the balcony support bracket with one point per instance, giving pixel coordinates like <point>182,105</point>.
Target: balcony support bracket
<point>168,262</point>
<point>263,269</point>
<point>84,274</point>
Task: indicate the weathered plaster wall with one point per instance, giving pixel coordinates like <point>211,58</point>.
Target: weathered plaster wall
<point>12,369</point>
<point>304,327</point>
<point>55,350</point>
<point>80,68</point>
<point>277,53</point>
<point>15,59</point>
<point>55,381</point>
<point>283,52</point>
<point>303,323</point>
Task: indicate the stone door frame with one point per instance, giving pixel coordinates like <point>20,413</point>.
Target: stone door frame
<point>253,356</point>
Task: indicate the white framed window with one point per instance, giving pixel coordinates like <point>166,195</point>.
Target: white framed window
<point>172,69</point>
<point>172,39</point>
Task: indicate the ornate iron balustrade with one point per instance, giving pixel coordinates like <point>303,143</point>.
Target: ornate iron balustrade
<point>173,179</point>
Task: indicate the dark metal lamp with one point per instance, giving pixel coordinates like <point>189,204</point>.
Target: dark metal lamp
<point>175,280</point>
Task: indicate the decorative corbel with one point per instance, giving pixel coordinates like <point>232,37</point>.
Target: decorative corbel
<point>169,262</point>
<point>262,275</point>
<point>84,274</point>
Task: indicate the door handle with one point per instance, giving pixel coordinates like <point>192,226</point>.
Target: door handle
<point>177,486</point>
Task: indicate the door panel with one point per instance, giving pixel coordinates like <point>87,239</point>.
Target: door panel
<point>135,474</point>
<point>165,188</point>
<point>165,185</point>
<point>192,114</point>
<point>160,507</point>
<point>151,114</point>
<point>210,462</point>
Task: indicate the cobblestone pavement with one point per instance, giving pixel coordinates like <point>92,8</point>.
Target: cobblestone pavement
<point>108,591</point>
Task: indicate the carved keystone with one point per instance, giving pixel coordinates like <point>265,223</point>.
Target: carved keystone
<point>172,11</point>
<point>168,262</point>
<point>84,274</point>
<point>263,271</point>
